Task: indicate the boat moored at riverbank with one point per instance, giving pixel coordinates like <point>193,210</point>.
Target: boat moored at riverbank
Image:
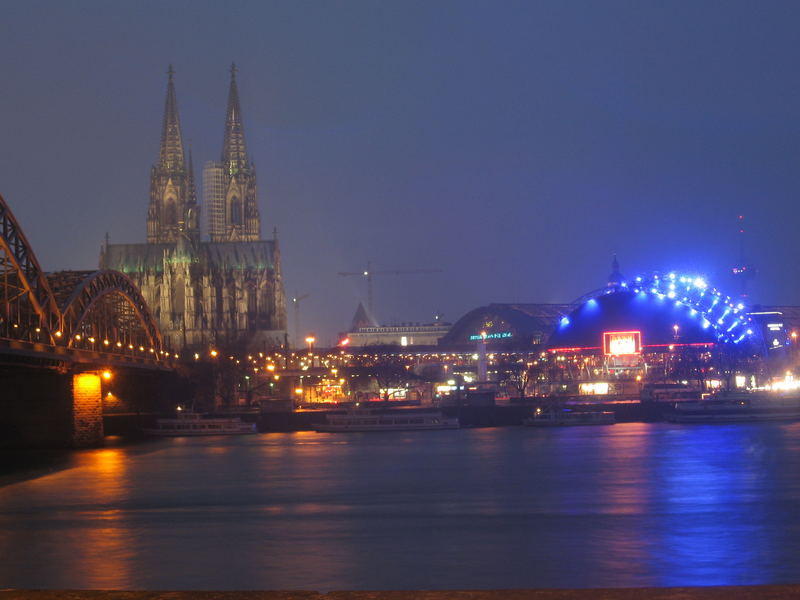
<point>188,423</point>
<point>737,408</point>
<point>366,420</point>
<point>566,416</point>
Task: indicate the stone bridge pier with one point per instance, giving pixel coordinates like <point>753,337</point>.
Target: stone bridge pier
<point>48,408</point>
<point>87,409</point>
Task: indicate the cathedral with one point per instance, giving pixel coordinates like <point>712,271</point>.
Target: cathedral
<point>223,291</point>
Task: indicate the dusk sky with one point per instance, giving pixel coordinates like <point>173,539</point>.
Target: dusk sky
<point>516,146</point>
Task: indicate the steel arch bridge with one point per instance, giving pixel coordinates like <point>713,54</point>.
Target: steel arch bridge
<point>28,304</point>
<point>70,313</point>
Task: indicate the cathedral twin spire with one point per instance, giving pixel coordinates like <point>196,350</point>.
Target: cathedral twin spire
<point>229,186</point>
<point>234,153</point>
<point>171,155</point>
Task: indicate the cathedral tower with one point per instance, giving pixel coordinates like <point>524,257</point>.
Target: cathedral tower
<point>227,292</point>
<point>229,187</point>
<point>172,212</point>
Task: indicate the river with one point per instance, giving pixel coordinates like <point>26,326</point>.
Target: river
<point>631,504</point>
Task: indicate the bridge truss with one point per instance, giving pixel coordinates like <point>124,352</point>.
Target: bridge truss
<point>95,311</point>
<point>28,310</point>
<point>107,310</point>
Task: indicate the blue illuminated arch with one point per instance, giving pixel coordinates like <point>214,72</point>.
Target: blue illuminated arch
<point>714,310</point>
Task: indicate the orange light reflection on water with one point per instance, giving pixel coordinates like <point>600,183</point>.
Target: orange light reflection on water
<point>104,555</point>
<point>625,488</point>
<point>311,526</point>
<point>623,499</point>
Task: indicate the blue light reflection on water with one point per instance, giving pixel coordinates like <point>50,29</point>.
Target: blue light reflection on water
<point>628,505</point>
<point>726,503</point>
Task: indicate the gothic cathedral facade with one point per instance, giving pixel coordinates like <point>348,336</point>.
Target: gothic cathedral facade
<point>225,291</point>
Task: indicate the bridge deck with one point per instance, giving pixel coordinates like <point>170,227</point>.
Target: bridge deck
<point>45,355</point>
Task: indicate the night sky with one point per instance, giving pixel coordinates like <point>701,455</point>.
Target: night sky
<point>516,146</point>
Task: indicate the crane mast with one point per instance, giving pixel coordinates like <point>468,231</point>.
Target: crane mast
<point>296,299</point>
<point>368,274</point>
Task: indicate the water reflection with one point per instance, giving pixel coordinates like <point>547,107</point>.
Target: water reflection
<point>628,505</point>
<point>623,549</point>
<point>717,528</point>
<point>73,515</point>
<point>102,553</point>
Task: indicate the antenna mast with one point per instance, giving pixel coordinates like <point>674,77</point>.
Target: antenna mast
<point>743,271</point>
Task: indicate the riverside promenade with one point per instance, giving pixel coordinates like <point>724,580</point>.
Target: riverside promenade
<point>755,592</point>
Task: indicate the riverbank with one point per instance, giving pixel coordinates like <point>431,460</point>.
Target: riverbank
<point>469,416</point>
<point>130,426</point>
<point>758,592</point>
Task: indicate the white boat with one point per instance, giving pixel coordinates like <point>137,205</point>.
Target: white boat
<point>558,418</point>
<point>739,408</point>
<point>365,420</point>
<point>188,423</point>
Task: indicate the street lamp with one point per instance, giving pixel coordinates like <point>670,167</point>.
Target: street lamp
<point>310,341</point>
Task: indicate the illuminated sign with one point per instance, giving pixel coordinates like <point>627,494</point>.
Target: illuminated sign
<point>775,336</point>
<point>492,336</point>
<point>618,343</point>
<point>600,388</point>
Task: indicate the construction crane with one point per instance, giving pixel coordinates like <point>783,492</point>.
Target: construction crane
<point>368,274</point>
<point>296,299</point>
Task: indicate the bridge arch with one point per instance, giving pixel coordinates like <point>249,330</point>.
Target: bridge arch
<point>107,309</point>
<point>28,309</point>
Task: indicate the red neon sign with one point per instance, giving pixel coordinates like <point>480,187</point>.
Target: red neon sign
<point>621,343</point>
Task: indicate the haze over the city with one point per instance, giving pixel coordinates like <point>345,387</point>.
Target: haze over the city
<point>516,146</point>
